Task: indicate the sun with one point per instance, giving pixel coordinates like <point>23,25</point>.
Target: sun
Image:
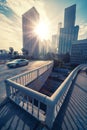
<point>42,30</point>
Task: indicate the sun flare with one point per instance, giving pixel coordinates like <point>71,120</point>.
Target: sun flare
<point>42,30</point>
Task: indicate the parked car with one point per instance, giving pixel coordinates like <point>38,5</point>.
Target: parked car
<point>17,63</point>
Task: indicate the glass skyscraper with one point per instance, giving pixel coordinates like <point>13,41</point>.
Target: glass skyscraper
<point>30,19</point>
<point>69,16</point>
<point>69,33</point>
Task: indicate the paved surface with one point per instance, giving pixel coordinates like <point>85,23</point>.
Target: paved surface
<point>12,117</point>
<point>73,114</point>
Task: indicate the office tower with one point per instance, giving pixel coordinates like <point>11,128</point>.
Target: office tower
<point>69,16</point>
<point>59,26</point>
<point>30,19</point>
<point>58,33</point>
<point>54,43</point>
<point>69,33</point>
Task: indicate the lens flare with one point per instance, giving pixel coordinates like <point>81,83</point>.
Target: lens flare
<point>42,30</point>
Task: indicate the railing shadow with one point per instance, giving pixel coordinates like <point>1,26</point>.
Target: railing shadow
<point>73,113</point>
<point>83,73</point>
<point>12,117</point>
<point>85,90</point>
<point>60,117</point>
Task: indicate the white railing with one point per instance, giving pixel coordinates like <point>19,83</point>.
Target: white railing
<point>42,107</point>
<point>29,99</point>
<point>29,76</point>
<point>59,95</point>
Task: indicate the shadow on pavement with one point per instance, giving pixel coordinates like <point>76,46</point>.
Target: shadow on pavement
<point>12,117</point>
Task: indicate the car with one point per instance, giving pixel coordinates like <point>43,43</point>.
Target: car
<point>17,63</point>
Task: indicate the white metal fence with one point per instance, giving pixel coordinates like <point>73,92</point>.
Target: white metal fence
<point>42,107</point>
<point>30,100</point>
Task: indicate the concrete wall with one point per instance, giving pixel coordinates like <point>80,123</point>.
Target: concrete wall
<point>39,82</point>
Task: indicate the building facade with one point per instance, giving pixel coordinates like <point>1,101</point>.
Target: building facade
<point>79,52</point>
<point>70,16</point>
<point>54,43</point>
<point>67,36</point>
<point>30,39</point>
<point>69,33</point>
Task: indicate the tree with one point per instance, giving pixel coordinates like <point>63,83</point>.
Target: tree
<point>16,53</point>
<point>11,50</point>
<point>25,52</point>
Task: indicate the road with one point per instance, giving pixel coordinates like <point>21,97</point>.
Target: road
<point>6,73</point>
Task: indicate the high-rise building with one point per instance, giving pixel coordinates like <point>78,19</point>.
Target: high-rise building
<point>67,36</point>
<point>69,16</point>
<point>58,33</point>
<point>30,19</point>
<point>59,26</point>
<point>69,33</point>
<point>54,43</point>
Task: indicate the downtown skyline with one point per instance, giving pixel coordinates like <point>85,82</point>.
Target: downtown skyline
<point>52,11</point>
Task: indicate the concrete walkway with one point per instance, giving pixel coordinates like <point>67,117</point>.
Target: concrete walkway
<point>73,114</point>
<point>12,117</point>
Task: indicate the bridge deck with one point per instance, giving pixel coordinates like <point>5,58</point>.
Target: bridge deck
<point>73,114</point>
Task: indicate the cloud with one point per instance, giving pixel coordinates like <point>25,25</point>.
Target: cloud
<point>5,10</point>
<point>20,7</point>
<point>10,27</point>
<point>10,33</point>
<point>2,1</point>
<point>83,31</point>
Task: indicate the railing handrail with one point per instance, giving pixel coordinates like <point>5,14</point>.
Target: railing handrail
<point>50,102</point>
<point>57,94</point>
<point>28,91</point>
<point>30,71</point>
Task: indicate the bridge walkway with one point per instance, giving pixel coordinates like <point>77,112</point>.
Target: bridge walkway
<point>73,114</point>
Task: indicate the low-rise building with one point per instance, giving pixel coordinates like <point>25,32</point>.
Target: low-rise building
<point>79,52</point>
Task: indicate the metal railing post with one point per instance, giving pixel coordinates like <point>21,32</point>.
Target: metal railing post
<point>8,90</point>
<point>50,115</point>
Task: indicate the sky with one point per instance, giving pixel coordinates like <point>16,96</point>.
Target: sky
<point>51,11</point>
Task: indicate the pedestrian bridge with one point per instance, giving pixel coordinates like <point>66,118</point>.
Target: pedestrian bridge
<point>44,108</point>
